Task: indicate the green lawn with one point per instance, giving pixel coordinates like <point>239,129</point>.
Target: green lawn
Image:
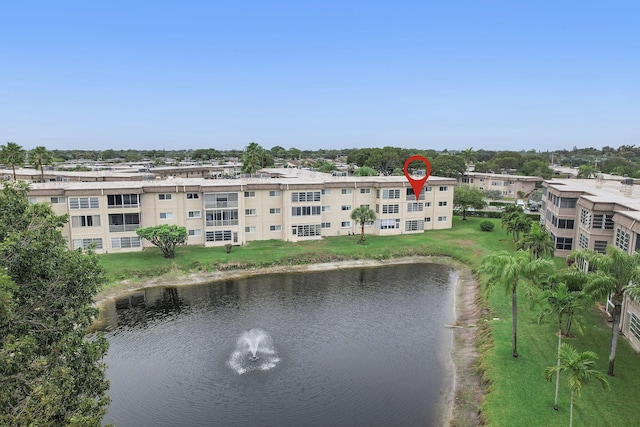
<point>518,394</point>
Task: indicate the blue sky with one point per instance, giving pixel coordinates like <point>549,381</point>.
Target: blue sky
<point>425,74</point>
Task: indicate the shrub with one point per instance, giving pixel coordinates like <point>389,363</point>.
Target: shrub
<point>486,225</point>
<point>228,247</point>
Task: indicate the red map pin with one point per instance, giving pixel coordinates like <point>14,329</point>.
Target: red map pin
<point>417,184</point>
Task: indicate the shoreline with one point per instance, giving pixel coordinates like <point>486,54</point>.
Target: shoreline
<point>464,393</point>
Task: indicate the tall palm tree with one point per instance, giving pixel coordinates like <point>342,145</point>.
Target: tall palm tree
<point>579,368</point>
<point>40,156</point>
<point>612,274</point>
<point>252,158</point>
<point>538,241</point>
<point>510,270</point>
<point>12,154</point>
<point>562,303</point>
<point>518,224</point>
<point>363,214</point>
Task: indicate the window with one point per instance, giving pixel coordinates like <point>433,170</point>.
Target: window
<point>308,196</point>
<point>415,207</point>
<point>390,209</point>
<point>622,239</point>
<point>345,191</point>
<point>218,236</point>
<point>564,243</point>
<point>442,203</point>
<point>600,246</point>
<point>583,241</point>
<point>444,188</point>
<point>411,195</point>
<point>221,217</point>
<point>33,200</point>
<point>275,227</point>
<point>306,230</point>
<point>345,207</point>
<point>326,209</point>
<point>84,203</point>
<point>124,222</point>
<point>603,221</point>
<point>325,225</point>
<point>442,218</point>
<point>56,200</point>
<point>365,191</point>
<point>585,218</point>
<point>87,243</point>
<point>274,193</point>
<point>123,201</point>
<point>427,189</point>
<point>634,326</point>
<point>305,210</point>
<point>345,224</point>
<point>427,219</point>
<point>427,205</point>
<point>166,215</point>
<point>164,196</point>
<point>365,206</point>
<point>194,214</point>
<point>414,225</point>
<point>195,232</point>
<point>387,224</point>
<point>326,192</point>
<point>251,229</point>
<point>566,223</point>
<point>568,203</point>
<point>125,242</point>
<point>250,212</point>
<point>274,211</point>
<point>85,221</point>
<point>249,194</point>
<point>193,196</point>
<point>390,194</point>
<point>220,200</point>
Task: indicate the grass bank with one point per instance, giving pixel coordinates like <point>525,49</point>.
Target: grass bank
<point>518,394</point>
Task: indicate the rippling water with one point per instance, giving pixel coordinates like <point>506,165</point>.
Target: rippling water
<point>355,347</point>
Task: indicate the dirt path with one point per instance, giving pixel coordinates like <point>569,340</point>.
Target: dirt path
<point>467,389</point>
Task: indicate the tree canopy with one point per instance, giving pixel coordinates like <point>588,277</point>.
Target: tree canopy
<point>363,215</point>
<point>50,373</point>
<point>165,236</point>
<point>466,197</point>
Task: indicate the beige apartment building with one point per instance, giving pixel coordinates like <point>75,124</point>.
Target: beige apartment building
<point>292,206</point>
<point>511,186</point>
<point>591,214</point>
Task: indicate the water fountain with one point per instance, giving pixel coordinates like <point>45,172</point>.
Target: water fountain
<point>253,346</point>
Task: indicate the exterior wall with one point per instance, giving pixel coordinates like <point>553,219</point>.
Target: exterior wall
<point>217,212</point>
<point>631,322</point>
<point>509,185</point>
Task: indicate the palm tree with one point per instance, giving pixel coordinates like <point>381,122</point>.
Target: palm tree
<point>363,215</point>
<point>252,158</point>
<point>586,171</point>
<point>517,224</point>
<point>579,368</point>
<point>12,155</point>
<point>612,274</point>
<point>538,241</point>
<point>509,270</point>
<point>40,156</point>
<point>560,302</point>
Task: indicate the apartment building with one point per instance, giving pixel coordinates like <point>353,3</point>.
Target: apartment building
<point>591,214</point>
<point>292,206</point>
<point>511,186</point>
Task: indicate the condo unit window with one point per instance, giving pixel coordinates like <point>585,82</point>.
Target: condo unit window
<point>124,200</point>
<point>585,218</point>
<point>218,236</point>
<point>345,207</point>
<point>568,203</point>
<point>305,196</point>
<point>326,225</point>
<point>277,227</point>
<point>249,194</point>
<point>326,209</point>
<point>305,210</point>
<point>274,193</point>
<point>251,229</point>
<point>195,232</point>
<point>220,200</point>
<point>221,217</point>
<point>414,225</point>
<point>634,326</point>
<point>387,224</point>
<point>564,243</point>
<point>326,192</point>
<point>411,195</point>
<point>125,242</point>
<point>56,200</point>
<point>164,196</point>
<point>390,194</point>
<point>442,218</point>
<point>96,243</point>
<point>583,241</point>
<point>345,224</point>
<point>365,206</point>
<point>124,222</point>
<point>274,211</point>
<point>600,246</point>
<point>166,215</point>
<point>85,221</point>
<point>442,203</point>
<point>365,191</point>
<point>84,203</point>
<point>427,219</point>
<point>444,188</point>
<point>306,230</point>
<point>603,221</point>
<point>390,209</point>
<point>622,239</point>
<point>250,212</point>
<point>415,207</point>
<point>193,196</point>
<point>194,214</point>
<point>345,191</point>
